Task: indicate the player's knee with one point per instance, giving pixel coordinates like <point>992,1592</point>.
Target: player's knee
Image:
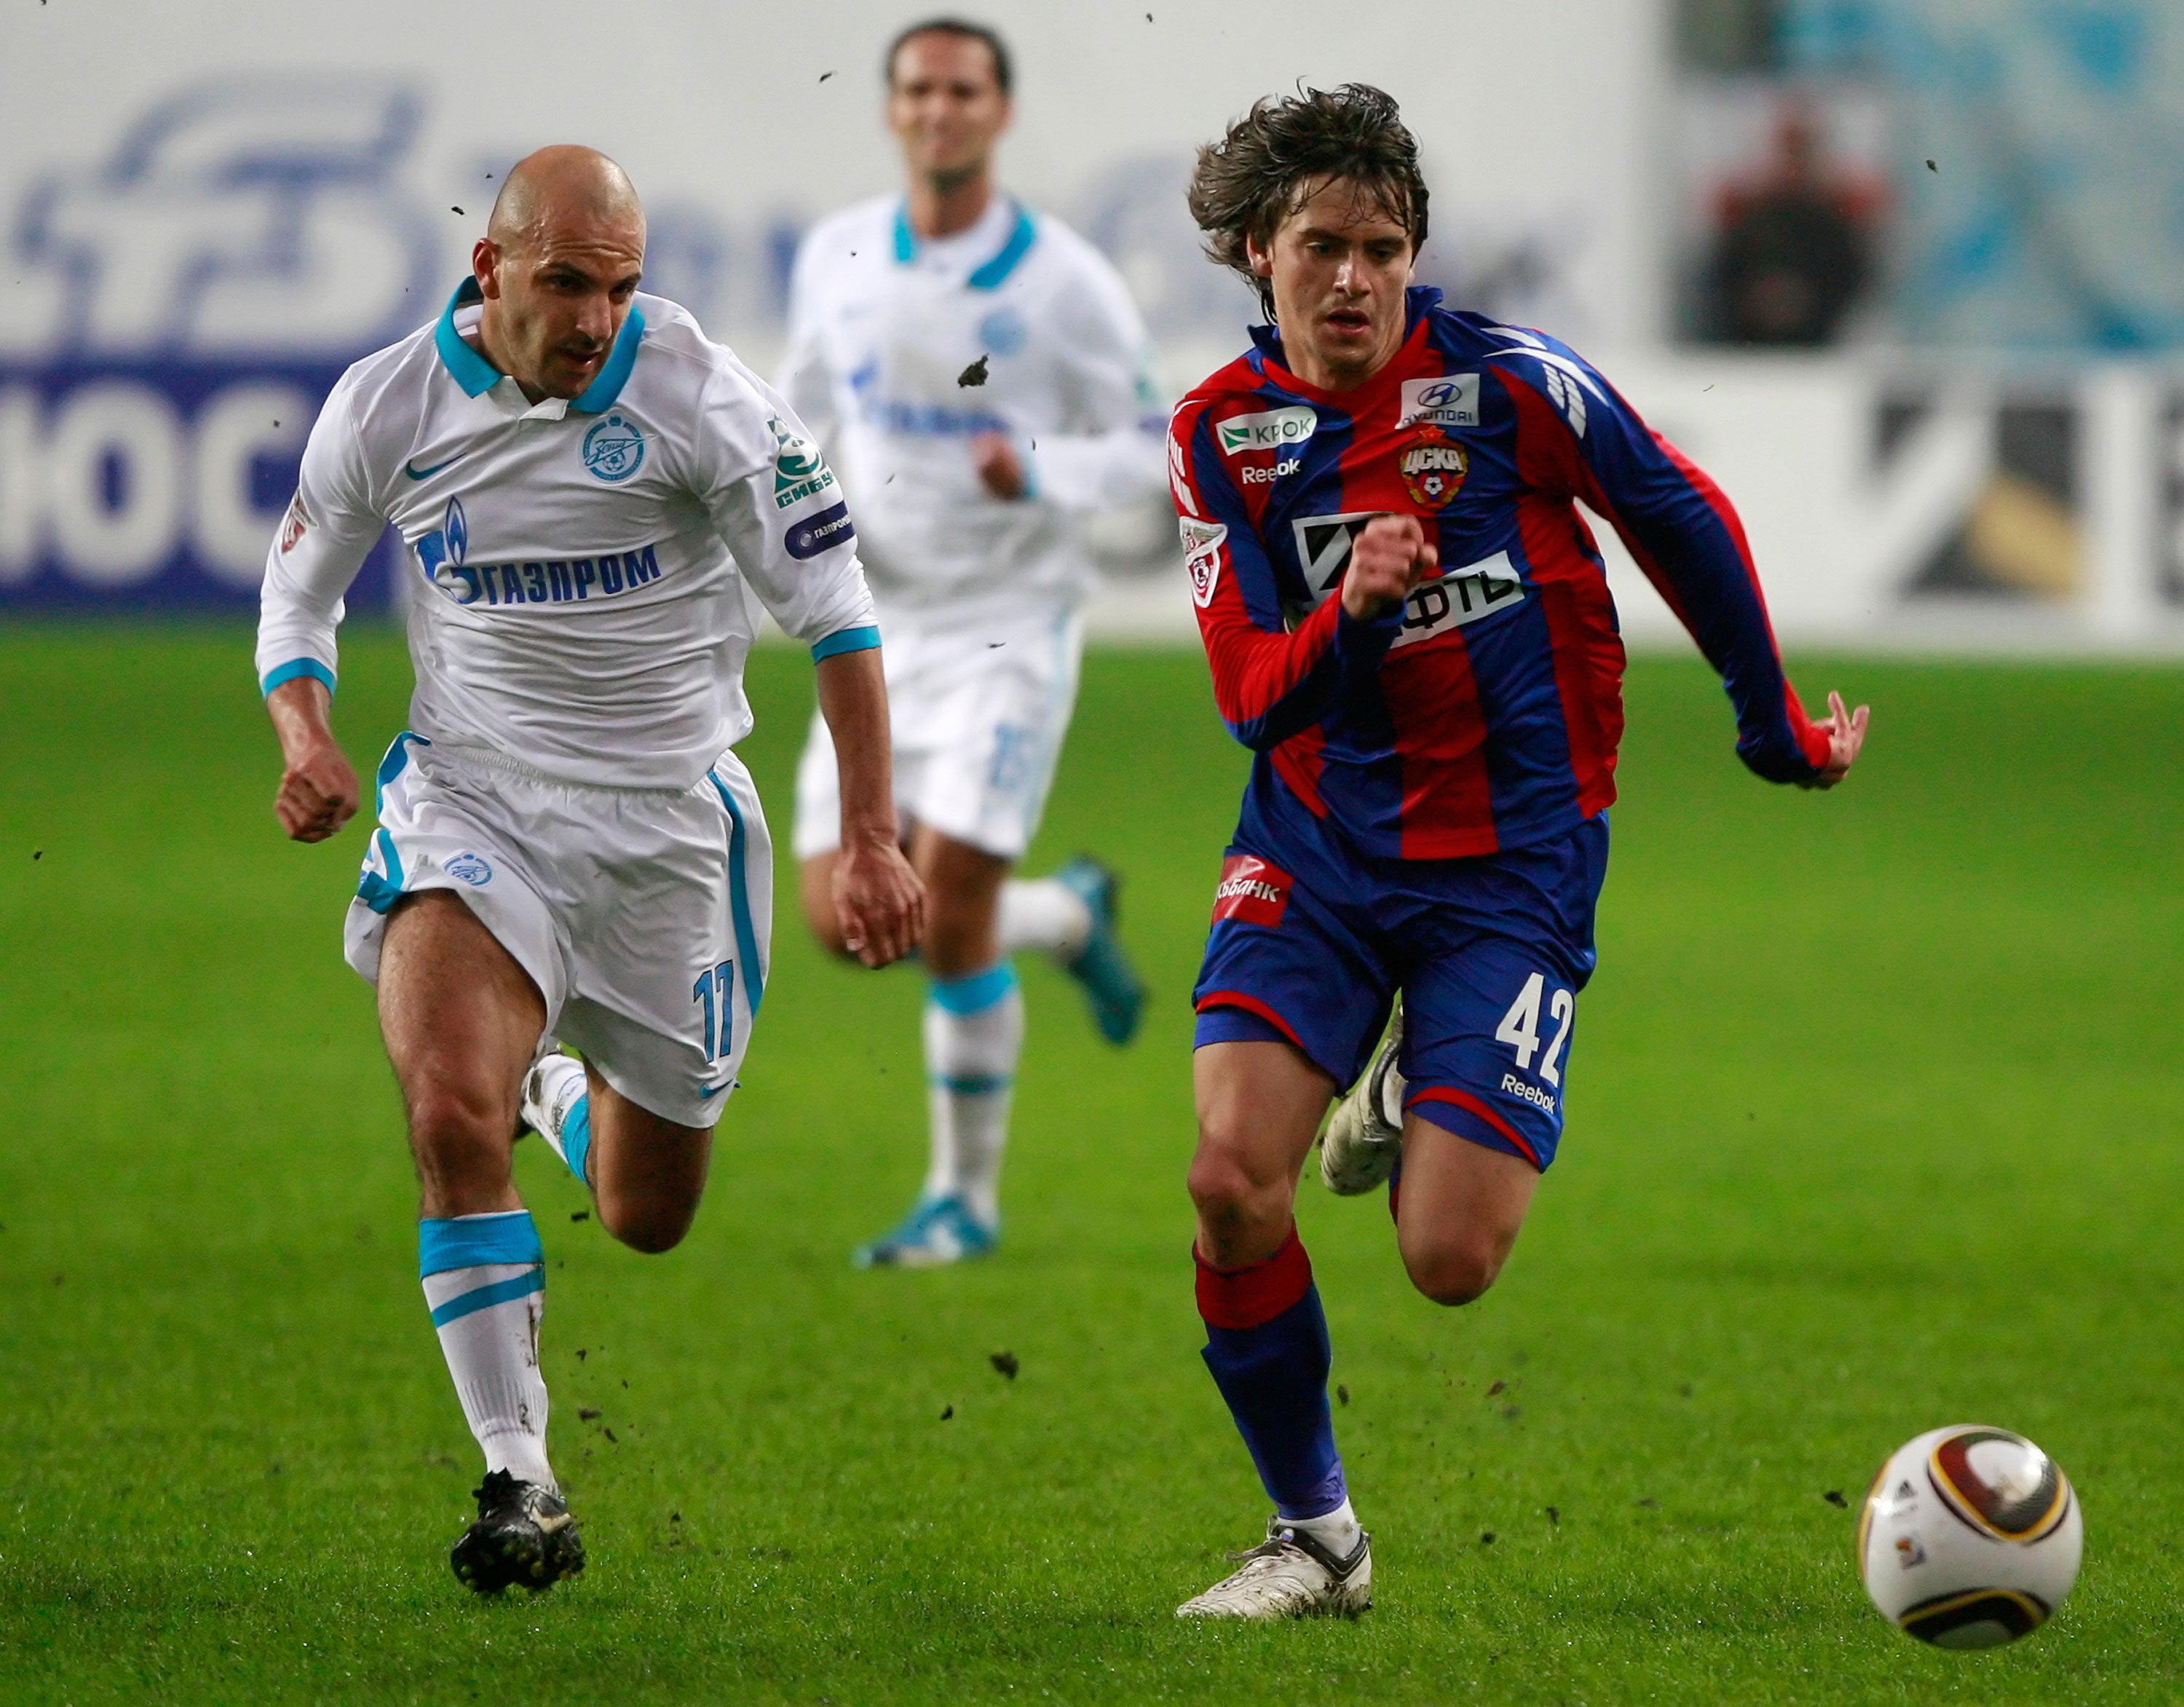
<point>1454,1272</point>
<point>452,1126</point>
<point>1219,1184</point>
<point>649,1228</point>
<point>1230,1186</point>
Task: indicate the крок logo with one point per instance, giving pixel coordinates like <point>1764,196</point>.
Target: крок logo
<point>614,449</point>
<point>1273,430</point>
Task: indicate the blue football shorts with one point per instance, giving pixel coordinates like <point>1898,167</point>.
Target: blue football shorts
<point>1312,939</point>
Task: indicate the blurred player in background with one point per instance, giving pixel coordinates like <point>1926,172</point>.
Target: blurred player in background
<point>589,489</point>
<point>1409,624</point>
<point>986,381</point>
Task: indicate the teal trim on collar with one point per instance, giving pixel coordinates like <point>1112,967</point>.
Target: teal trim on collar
<point>476,375</point>
<point>600,395</point>
<point>990,276</point>
<point>464,365</point>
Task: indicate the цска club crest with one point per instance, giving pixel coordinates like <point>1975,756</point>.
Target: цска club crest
<point>1433,466</point>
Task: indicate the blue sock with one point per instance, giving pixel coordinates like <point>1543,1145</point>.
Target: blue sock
<point>1267,1346</point>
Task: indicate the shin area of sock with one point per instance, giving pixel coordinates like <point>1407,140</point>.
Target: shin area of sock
<point>484,1278</point>
<point>973,1035</point>
<point>1266,1348</point>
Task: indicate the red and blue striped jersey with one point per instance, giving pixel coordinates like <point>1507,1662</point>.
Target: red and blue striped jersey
<point>1484,712</point>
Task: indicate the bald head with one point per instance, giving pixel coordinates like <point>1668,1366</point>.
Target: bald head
<point>557,265</point>
<point>565,188</point>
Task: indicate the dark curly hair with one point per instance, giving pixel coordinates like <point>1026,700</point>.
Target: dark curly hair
<point>1273,158</point>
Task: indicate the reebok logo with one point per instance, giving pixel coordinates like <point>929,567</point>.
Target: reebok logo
<point>1251,892</point>
<point>1531,1093</point>
<point>1273,430</point>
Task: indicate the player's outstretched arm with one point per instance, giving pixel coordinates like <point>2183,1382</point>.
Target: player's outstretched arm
<point>1846,733</point>
<point>318,790</point>
<point>877,895</point>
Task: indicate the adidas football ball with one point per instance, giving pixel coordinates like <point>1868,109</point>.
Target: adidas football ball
<point>1971,1537</point>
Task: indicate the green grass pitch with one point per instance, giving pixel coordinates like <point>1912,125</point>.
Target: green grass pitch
<point>1874,1125</point>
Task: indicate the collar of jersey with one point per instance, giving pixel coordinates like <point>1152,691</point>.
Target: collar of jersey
<point>1417,301</point>
<point>989,274</point>
<point>476,375</point>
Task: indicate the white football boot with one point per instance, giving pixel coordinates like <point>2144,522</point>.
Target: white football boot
<point>1364,1137</point>
<point>1288,1575</point>
<point>550,1090</point>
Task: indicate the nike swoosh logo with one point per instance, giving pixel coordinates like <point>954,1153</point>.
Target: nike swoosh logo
<point>417,473</point>
<point>705,1091</point>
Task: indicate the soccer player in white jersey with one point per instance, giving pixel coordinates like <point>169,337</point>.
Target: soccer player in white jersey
<point>986,381</point>
<point>594,497</point>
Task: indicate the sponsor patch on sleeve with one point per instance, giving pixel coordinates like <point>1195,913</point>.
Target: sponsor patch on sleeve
<point>819,533</point>
<point>1202,541</point>
<point>1251,891</point>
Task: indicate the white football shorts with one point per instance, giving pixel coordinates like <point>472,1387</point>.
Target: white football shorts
<point>643,915</point>
<point>978,711</point>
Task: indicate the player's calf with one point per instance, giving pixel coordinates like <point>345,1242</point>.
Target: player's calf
<point>648,1173</point>
<point>1460,1207</point>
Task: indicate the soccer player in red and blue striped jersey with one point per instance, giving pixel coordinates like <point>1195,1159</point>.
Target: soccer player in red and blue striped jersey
<point>1409,624</point>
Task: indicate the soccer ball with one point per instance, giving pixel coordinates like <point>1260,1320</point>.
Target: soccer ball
<point>1971,1537</point>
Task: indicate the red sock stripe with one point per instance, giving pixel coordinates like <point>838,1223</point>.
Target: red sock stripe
<point>1255,1294</point>
<point>1465,1100</point>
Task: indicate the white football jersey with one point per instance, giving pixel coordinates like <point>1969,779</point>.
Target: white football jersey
<point>902,350</point>
<point>583,570</point>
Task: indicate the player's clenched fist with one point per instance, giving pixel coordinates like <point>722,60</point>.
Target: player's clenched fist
<point>880,902</point>
<point>318,795</point>
<point>1391,555</point>
<point>318,788</point>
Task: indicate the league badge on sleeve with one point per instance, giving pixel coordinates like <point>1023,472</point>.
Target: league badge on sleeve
<point>294,524</point>
<point>1433,466</point>
<point>1202,541</point>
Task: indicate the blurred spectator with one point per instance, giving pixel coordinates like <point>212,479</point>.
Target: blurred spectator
<point>1795,243</point>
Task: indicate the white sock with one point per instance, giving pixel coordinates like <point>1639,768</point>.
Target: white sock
<point>485,1283</point>
<point>1337,1530</point>
<point>973,1034</point>
<point>562,1114</point>
<point>1040,912</point>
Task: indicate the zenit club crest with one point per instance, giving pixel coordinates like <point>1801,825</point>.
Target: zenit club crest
<point>1433,466</point>
<point>614,449</point>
